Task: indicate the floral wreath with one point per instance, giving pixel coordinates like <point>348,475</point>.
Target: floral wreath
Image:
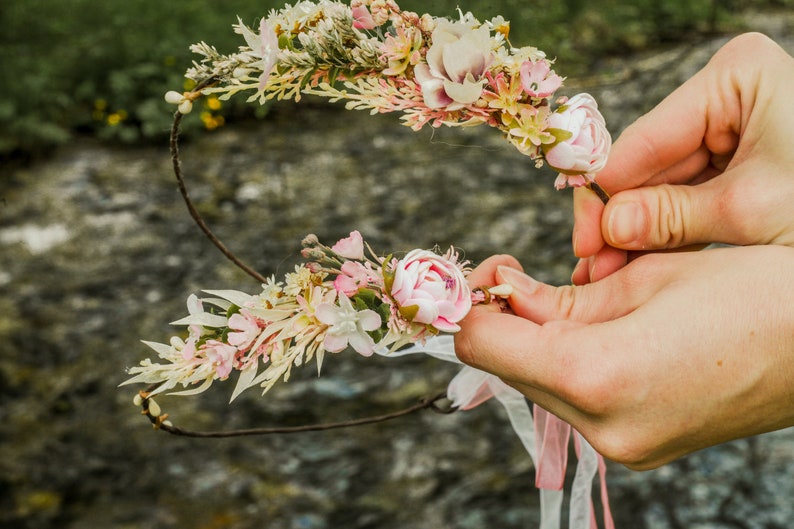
<point>434,71</point>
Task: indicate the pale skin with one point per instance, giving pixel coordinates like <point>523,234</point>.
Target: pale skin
<point>658,349</point>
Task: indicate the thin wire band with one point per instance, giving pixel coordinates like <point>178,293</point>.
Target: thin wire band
<point>197,218</point>
<point>160,421</point>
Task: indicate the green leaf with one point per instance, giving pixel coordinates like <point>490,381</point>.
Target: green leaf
<point>384,310</point>
<point>409,312</point>
<point>367,296</point>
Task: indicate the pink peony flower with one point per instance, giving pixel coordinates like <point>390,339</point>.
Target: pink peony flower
<point>457,61</point>
<point>432,289</point>
<point>351,247</point>
<point>538,79</point>
<point>581,155</point>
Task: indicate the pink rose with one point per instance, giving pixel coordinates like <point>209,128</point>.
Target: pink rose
<point>538,79</point>
<point>457,61</point>
<point>432,289</point>
<point>582,154</point>
<point>351,247</point>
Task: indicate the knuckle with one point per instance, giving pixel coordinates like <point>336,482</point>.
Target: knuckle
<point>672,207</point>
<point>565,301</point>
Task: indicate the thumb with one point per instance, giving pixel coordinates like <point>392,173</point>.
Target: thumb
<point>612,297</point>
<point>663,216</point>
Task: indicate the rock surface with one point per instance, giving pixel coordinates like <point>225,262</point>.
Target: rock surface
<point>98,252</point>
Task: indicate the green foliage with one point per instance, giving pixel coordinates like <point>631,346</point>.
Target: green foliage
<point>103,67</point>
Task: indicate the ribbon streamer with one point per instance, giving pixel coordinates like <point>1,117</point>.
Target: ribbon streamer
<point>544,436</point>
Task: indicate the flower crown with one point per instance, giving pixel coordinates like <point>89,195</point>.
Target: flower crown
<point>375,56</point>
<point>434,71</point>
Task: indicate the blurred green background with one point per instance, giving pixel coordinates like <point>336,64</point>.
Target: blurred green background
<point>87,67</point>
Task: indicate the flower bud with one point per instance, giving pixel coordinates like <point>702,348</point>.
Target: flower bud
<point>173,97</point>
<point>240,72</point>
<point>154,408</point>
<point>137,400</point>
<point>310,241</point>
<point>185,106</point>
<point>312,253</point>
<point>504,290</point>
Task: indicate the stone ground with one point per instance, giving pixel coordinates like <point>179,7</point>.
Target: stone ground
<point>98,252</point>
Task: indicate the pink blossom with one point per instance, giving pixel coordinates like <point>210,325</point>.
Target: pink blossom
<point>268,50</point>
<point>538,79</point>
<point>354,276</point>
<point>401,49</point>
<point>431,289</point>
<point>585,141</point>
<point>246,328</point>
<point>264,47</point>
<point>457,61</point>
<point>221,355</point>
<point>351,247</point>
<point>362,18</point>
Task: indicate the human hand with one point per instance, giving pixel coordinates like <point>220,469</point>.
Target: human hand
<point>669,354</point>
<point>712,163</point>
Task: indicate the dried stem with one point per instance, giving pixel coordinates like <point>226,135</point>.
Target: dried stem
<point>177,165</point>
<point>598,190</point>
<point>428,403</point>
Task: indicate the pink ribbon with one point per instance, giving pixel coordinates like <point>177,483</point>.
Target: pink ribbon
<point>545,437</point>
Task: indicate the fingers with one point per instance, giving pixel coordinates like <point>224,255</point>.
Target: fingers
<point>610,298</point>
<point>485,273</point>
<point>665,217</point>
<point>607,261</point>
<point>509,347</point>
<point>587,211</point>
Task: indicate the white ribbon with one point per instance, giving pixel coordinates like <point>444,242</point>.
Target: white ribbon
<point>471,387</point>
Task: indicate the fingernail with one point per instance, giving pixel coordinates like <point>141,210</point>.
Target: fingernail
<point>519,280</point>
<point>581,265</point>
<point>592,268</point>
<point>627,223</point>
<point>574,241</point>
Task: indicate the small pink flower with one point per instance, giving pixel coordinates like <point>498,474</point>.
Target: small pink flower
<point>268,50</point>
<point>246,330</point>
<point>264,47</point>
<point>538,79</point>
<point>221,355</point>
<point>401,49</point>
<point>457,61</point>
<point>433,288</point>
<point>582,154</point>
<point>351,247</point>
<point>354,276</point>
<point>362,18</point>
